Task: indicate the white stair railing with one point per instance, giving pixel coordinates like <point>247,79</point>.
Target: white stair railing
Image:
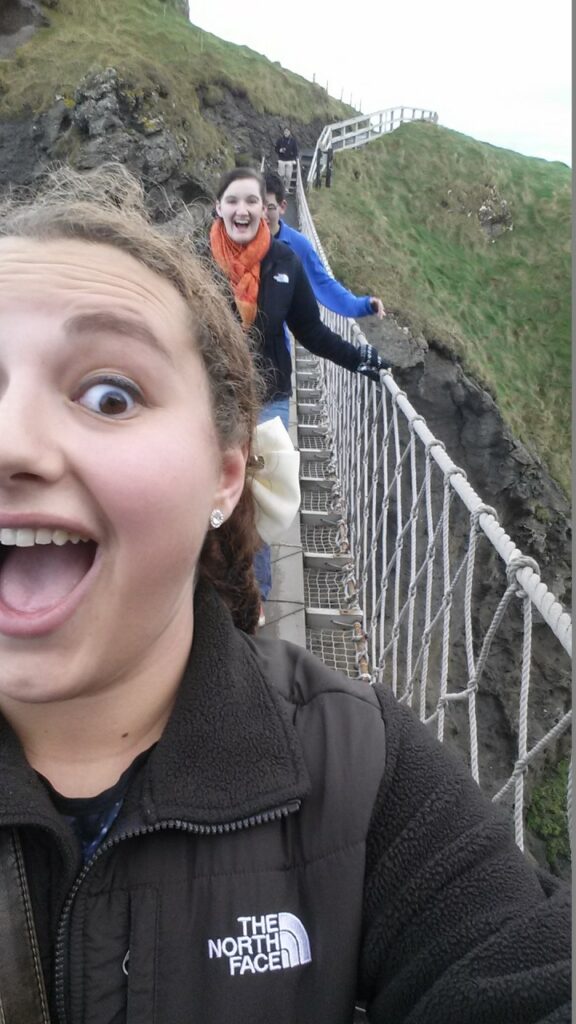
<point>436,633</point>
<point>357,131</point>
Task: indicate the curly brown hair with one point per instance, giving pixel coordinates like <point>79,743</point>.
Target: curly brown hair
<point>107,205</point>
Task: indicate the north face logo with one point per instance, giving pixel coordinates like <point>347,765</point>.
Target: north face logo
<point>272,942</point>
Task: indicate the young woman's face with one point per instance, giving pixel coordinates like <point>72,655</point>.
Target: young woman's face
<point>109,467</point>
<point>241,208</point>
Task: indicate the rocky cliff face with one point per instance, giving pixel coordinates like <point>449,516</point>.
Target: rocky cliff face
<point>108,119</point>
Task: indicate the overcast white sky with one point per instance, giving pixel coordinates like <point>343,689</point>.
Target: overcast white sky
<point>497,70</point>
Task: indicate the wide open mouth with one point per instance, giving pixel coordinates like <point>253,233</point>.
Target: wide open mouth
<point>40,566</point>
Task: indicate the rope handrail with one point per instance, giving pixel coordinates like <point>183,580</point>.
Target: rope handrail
<point>436,632</point>
<point>527,575</point>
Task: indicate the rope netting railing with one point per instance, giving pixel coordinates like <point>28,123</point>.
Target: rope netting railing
<point>357,131</point>
<point>457,620</point>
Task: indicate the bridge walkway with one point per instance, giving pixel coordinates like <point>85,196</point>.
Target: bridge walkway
<point>285,609</point>
<point>310,604</point>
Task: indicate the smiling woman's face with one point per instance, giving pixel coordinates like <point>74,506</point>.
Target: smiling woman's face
<point>109,467</point>
<point>241,208</point>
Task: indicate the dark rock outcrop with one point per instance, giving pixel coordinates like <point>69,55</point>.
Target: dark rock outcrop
<point>253,134</point>
<point>113,122</point>
<point>485,204</point>
<point>107,118</point>
<point>494,214</point>
<point>19,20</point>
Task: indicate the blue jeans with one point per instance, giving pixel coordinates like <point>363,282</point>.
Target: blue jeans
<point>279,407</point>
<point>262,559</point>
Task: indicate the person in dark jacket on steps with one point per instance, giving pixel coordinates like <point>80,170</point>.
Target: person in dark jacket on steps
<point>270,290</point>
<point>197,823</point>
<point>287,152</point>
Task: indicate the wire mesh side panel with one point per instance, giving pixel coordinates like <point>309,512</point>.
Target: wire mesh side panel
<point>343,649</point>
<point>458,623</point>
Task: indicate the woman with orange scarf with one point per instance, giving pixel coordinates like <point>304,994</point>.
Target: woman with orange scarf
<point>270,290</point>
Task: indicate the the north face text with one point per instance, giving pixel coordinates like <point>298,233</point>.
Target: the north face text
<point>272,942</point>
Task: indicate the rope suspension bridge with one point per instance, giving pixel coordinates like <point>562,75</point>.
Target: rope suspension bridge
<point>391,533</point>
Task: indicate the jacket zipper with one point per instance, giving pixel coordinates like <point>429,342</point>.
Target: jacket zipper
<point>184,826</point>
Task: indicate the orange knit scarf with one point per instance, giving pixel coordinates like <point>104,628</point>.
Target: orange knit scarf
<point>241,264</point>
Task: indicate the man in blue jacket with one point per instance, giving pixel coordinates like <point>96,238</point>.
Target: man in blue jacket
<point>327,290</point>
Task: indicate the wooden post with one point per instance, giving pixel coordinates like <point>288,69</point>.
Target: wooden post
<point>329,158</point>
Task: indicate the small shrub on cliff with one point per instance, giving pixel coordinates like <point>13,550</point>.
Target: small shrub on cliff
<point>547,816</point>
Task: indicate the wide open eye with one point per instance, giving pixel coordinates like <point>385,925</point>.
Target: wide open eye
<point>114,397</point>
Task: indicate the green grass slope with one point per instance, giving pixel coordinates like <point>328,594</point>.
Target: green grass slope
<point>152,44</point>
<point>401,221</point>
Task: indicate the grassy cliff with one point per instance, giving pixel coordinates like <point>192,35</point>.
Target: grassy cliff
<point>156,49</point>
<point>403,220</point>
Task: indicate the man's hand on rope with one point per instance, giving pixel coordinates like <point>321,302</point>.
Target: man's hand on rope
<point>371,362</point>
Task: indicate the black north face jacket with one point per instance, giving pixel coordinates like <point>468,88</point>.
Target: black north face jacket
<point>285,296</point>
<point>294,842</point>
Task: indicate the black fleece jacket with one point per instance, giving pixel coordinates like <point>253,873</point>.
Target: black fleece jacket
<point>286,147</point>
<point>295,841</point>
<point>285,296</point>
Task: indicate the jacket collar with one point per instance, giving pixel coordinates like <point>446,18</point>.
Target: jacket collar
<point>277,253</point>
<point>229,750</point>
